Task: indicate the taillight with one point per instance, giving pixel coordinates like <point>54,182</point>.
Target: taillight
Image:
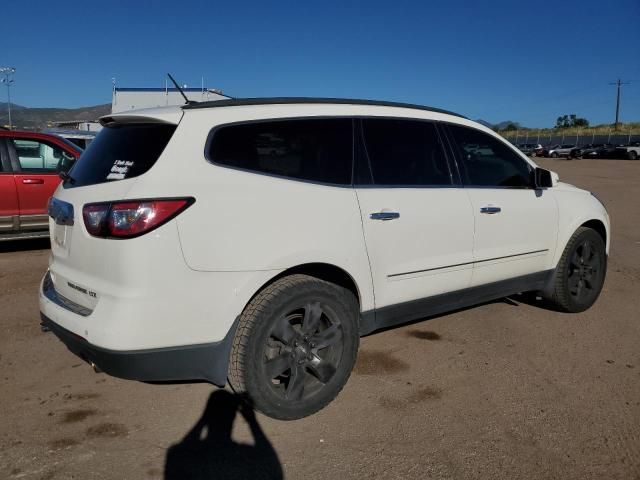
<point>131,218</point>
<point>94,216</point>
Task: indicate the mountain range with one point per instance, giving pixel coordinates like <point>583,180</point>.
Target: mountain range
<point>37,118</point>
<point>500,125</point>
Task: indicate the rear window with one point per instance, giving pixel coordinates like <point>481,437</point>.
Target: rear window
<point>120,152</point>
<point>317,150</point>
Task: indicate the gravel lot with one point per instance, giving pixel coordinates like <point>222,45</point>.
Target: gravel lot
<point>503,390</point>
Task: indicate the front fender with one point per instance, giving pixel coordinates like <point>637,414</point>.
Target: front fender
<point>577,207</point>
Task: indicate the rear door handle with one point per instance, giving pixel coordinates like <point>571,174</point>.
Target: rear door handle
<point>490,210</point>
<point>384,215</point>
<point>32,181</point>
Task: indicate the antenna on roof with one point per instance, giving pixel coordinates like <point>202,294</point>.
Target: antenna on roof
<point>186,100</point>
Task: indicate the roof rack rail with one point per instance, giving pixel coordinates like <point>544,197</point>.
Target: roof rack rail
<point>310,100</point>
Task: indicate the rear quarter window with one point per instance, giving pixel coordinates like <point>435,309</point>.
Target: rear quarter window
<point>120,152</point>
<point>317,150</point>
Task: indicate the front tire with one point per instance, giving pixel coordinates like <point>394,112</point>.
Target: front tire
<point>554,155</point>
<point>295,346</point>
<point>632,155</point>
<point>581,272</point>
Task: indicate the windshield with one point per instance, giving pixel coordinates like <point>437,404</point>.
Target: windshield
<point>71,145</point>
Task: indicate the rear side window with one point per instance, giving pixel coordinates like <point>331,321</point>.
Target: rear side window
<point>120,152</point>
<point>488,162</point>
<point>318,150</point>
<point>405,152</point>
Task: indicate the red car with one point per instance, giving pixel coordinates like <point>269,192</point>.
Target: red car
<point>30,163</point>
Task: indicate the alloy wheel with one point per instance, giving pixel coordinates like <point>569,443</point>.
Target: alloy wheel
<point>584,271</point>
<point>303,351</point>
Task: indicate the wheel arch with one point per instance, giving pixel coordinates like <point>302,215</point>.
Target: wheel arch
<point>323,271</point>
<point>599,227</point>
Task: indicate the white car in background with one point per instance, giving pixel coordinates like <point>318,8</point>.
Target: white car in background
<point>630,151</point>
<point>564,150</point>
<point>182,248</point>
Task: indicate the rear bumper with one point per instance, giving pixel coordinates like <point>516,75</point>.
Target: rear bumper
<point>193,362</point>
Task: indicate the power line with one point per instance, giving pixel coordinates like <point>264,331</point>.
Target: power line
<point>619,84</point>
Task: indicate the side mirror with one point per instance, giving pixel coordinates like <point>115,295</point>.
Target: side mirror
<point>543,178</point>
<point>65,163</point>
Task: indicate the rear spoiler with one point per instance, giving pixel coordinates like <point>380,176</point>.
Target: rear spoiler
<point>171,116</point>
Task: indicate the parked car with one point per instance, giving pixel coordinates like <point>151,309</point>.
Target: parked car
<point>29,166</point>
<point>538,151</point>
<point>564,150</point>
<point>477,149</point>
<point>590,150</point>
<point>544,151</point>
<point>181,252</point>
<point>600,150</point>
<point>630,151</point>
<point>531,149</point>
<point>575,152</point>
<point>81,138</point>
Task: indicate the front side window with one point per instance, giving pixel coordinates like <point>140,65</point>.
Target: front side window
<point>488,162</point>
<point>405,152</point>
<point>317,150</point>
<point>38,156</point>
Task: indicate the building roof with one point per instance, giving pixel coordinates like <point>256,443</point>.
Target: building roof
<point>232,102</point>
<point>64,123</point>
<point>162,89</point>
<point>70,132</point>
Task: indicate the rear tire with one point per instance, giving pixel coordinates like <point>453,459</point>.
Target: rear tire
<point>633,155</point>
<point>580,273</point>
<point>295,346</point>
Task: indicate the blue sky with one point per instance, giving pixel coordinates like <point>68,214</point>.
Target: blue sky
<point>495,60</point>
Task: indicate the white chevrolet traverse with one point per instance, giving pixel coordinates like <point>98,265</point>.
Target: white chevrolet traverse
<point>255,240</point>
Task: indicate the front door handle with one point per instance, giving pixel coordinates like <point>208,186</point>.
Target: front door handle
<point>384,216</point>
<point>490,210</point>
<point>32,181</point>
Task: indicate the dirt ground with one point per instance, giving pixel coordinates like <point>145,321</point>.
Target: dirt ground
<point>502,391</point>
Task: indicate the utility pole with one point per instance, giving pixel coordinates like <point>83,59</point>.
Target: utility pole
<point>619,84</point>
<point>7,80</point>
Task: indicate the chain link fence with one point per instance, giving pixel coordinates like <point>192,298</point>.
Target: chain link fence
<point>613,137</point>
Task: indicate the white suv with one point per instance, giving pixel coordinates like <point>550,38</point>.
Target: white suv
<point>256,240</point>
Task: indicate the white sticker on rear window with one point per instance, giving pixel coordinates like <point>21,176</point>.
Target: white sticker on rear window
<point>120,169</point>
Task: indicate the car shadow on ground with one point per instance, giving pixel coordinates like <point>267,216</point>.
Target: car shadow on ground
<point>513,300</point>
<point>208,451</point>
<point>24,245</point>
<point>534,300</point>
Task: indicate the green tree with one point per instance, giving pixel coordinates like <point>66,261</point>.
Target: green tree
<point>572,120</point>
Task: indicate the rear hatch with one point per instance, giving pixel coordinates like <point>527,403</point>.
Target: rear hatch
<point>82,266</point>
